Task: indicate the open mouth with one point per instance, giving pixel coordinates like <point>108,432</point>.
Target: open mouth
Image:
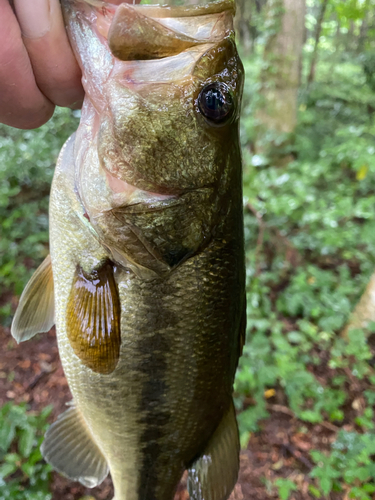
<point>149,42</point>
<point>214,4</point>
<point>140,30</point>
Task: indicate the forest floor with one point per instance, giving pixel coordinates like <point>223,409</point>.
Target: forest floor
<point>32,373</point>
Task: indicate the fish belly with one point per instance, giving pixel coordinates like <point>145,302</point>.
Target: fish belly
<point>153,415</point>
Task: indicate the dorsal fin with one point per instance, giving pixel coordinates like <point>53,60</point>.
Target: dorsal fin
<point>36,310</point>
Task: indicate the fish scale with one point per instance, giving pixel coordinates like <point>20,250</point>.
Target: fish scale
<point>147,252</point>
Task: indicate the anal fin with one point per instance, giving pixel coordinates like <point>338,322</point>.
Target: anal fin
<point>36,309</point>
<point>70,449</point>
<point>214,475</point>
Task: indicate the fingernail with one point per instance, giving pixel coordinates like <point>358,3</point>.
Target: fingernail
<point>34,17</point>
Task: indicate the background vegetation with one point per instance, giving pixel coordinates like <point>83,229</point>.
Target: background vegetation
<point>309,196</point>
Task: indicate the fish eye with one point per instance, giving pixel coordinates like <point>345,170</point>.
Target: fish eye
<point>216,103</point>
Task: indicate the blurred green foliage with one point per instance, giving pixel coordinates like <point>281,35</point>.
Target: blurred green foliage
<point>23,473</point>
<point>27,162</point>
<point>310,241</point>
<point>351,461</point>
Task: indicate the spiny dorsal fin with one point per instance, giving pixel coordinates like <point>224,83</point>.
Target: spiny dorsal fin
<point>93,319</point>
<point>36,309</point>
<point>70,449</point>
<point>214,475</point>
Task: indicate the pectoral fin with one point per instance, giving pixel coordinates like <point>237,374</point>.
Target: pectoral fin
<point>214,475</point>
<point>36,310</point>
<point>93,319</point>
<point>69,447</point>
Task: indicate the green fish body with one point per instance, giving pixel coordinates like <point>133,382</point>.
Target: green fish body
<point>147,253</point>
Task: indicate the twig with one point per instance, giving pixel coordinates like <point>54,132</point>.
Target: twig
<point>298,456</point>
<point>329,426</point>
<point>274,233</point>
<point>38,378</point>
<point>290,413</point>
<point>281,409</point>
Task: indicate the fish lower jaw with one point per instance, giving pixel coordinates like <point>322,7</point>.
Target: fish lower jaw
<point>124,194</point>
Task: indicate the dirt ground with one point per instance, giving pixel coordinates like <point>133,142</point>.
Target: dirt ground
<point>32,372</point>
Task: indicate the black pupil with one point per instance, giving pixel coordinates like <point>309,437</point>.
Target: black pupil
<point>215,102</point>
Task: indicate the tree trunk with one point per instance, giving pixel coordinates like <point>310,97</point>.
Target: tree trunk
<point>318,32</point>
<point>364,312</point>
<point>338,33</point>
<point>245,22</point>
<point>364,28</point>
<point>350,37</point>
<point>242,22</point>
<point>280,78</point>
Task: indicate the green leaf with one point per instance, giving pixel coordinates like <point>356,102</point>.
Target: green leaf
<point>285,487</point>
<point>314,491</point>
<point>26,441</point>
<point>7,434</point>
<point>12,458</point>
<point>28,469</point>
<point>7,469</point>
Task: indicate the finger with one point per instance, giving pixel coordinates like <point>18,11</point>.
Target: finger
<point>22,104</point>
<point>56,71</point>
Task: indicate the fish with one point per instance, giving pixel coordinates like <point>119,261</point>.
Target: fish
<point>145,280</point>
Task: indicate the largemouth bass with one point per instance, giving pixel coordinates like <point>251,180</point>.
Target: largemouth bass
<point>146,276</point>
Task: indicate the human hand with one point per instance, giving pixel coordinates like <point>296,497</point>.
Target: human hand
<point>38,70</point>
<point>37,67</point>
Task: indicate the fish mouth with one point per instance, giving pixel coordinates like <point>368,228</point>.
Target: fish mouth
<point>145,32</point>
<point>149,32</point>
<point>189,8</point>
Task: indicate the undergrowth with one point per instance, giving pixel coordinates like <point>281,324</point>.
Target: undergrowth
<point>310,253</point>
<point>23,473</point>
<point>27,162</point>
